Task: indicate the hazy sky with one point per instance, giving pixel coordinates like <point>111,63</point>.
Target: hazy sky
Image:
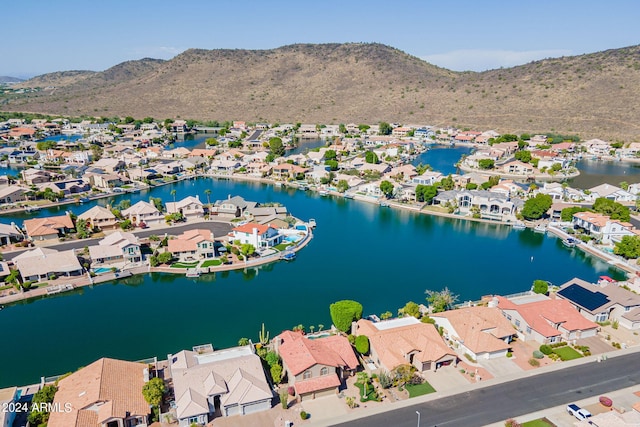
<point>41,36</point>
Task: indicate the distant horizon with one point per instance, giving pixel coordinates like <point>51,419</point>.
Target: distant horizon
<point>460,35</point>
<point>515,59</point>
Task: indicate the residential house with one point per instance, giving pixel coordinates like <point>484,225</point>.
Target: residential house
<point>602,303</point>
<point>105,181</point>
<point>190,207</point>
<point>99,217</point>
<point>381,168</point>
<point>195,162</point>
<point>106,393</point>
<point>487,204</point>
<point>12,194</point>
<point>143,213</point>
<point>597,147</point>
<point>9,233</point>
<point>68,187</point>
<point>405,341</point>
<point>400,131</point>
<point>516,167</point>
<point>109,165</point>
<point>232,207</point>
<point>170,168</point>
<point>612,192</point>
<point>545,320</point>
<point>287,170</point>
<point>48,228</point>
<point>258,235</point>
<point>211,384</point>
<point>116,248</point>
<point>427,178</point>
<point>481,332</point>
<point>41,263</point>
<point>192,245</point>
<point>36,176</point>
<point>225,166</point>
<point>602,227</point>
<point>315,367</point>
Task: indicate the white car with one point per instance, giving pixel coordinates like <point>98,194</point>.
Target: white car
<point>578,412</point>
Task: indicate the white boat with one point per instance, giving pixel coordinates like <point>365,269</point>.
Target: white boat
<point>348,196</point>
<point>540,228</point>
<point>193,272</point>
<point>323,193</point>
<point>519,225</point>
<point>32,208</point>
<point>570,242</point>
<point>384,204</point>
<point>312,223</point>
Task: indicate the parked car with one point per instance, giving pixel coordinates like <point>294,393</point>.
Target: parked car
<point>578,412</point>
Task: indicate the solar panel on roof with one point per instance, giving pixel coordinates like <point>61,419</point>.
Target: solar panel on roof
<point>584,297</point>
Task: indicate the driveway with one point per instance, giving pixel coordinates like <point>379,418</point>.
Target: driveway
<point>446,378</point>
<point>500,367</point>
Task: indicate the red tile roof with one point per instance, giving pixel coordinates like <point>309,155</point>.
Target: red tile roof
<point>248,228</point>
<point>299,353</point>
<point>316,384</point>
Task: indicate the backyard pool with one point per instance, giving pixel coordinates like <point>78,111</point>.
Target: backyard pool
<point>292,239</point>
<point>102,270</point>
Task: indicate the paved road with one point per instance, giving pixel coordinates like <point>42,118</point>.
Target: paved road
<point>255,135</point>
<point>218,229</point>
<point>511,399</point>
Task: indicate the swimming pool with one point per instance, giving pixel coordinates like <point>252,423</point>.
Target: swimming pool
<point>102,270</point>
<point>291,239</point>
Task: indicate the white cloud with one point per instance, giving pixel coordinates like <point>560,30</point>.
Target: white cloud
<point>481,60</point>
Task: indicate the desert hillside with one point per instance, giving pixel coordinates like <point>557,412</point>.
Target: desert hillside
<point>594,95</point>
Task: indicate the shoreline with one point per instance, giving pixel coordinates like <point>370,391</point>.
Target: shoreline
<point>537,177</point>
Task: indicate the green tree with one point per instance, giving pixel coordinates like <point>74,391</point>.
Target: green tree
<point>82,229</point>
<point>628,247</point>
<point>371,157</point>
<point>272,358</point>
<point>386,315</point>
<point>153,391</point>
<point>164,257</point>
<point>344,312</point>
<point>247,249</point>
<point>45,395</point>
<point>276,147</point>
<point>486,163</point>
<point>207,192</point>
<point>276,373</point>
<point>333,164</point>
<point>426,193</point>
<point>447,183</point>
<point>387,188</point>
<point>540,287</point>
<point>384,128</point>
<point>342,128</point>
<point>441,300</point>
<point>471,186</point>
<point>411,309</point>
<point>566,214</point>
<point>420,169</point>
<point>613,209</point>
<point>523,156</point>
<point>330,155</point>
<point>211,142</point>
<point>342,185</point>
<point>243,341</point>
<point>491,182</point>
<point>173,194</point>
<point>362,344</point>
<point>363,128</point>
<point>537,206</point>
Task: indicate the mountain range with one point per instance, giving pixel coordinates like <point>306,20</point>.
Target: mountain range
<point>592,95</point>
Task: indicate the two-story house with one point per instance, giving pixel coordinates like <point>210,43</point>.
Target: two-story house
<point>315,367</point>
<point>192,245</point>
<point>258,235</point>
<point>143,212</point>
<point>190,207</point>
<point>99,217</point>
<point>116,248</point>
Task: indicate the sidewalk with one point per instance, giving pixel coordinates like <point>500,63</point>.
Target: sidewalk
<point>620,397</point>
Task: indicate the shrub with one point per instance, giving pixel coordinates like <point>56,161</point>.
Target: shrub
<point>538,354</point>
<point>304,415</point>
<point>534,362</point>
<point>362,344</point>
<point>509,354</point>
<point>512,423</point>
<point>545,349</point>
<point>615,324</point>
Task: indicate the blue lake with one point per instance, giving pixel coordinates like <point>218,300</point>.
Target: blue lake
<point>378,256</point>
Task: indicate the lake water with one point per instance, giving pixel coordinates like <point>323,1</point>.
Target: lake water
<point>378,256</point>
<point>596,172</point>
<point>442,158</point>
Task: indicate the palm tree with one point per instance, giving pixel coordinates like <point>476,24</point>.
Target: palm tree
<point>208,193</point>
<point>173,193</point>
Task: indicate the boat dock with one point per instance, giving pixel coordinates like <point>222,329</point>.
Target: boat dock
<point>57,289</point>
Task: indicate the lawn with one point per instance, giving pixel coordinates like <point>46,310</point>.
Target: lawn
<point>211,263</point>
<point>567,353</point>
<point>419,389</point>
<point>371,393</point>
<point>540,422</point>
<point>184,265</point>
<point>282,246</point>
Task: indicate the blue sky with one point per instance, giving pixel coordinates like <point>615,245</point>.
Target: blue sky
<point>41,36</point>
